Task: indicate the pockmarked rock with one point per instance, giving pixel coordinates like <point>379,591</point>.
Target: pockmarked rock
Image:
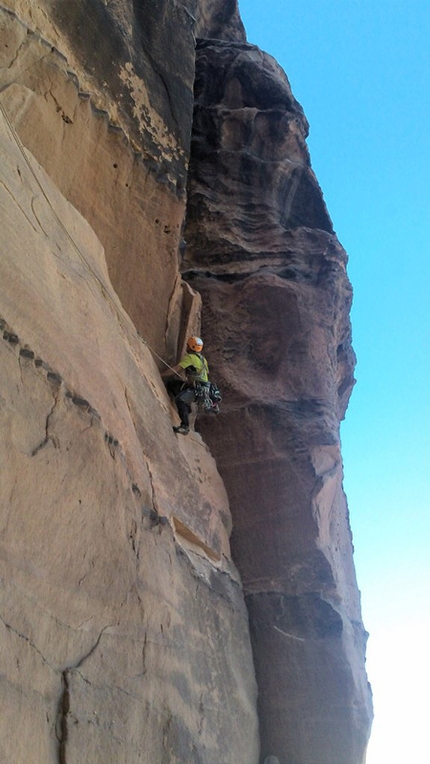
<point>110,124</point>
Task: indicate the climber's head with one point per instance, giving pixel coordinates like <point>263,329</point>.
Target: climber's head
<point>195,343</point>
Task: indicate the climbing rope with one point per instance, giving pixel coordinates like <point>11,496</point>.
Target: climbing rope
<point>121,318</point>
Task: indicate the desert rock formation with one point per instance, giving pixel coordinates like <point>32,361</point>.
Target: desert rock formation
<point>276,298</point>
<point>127,633</point>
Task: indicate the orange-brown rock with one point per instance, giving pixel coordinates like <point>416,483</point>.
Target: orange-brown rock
<point>123,624</point>
<point>276,298</point>
<point>120,606</point>
<point>110,123</point>
<point>123,628</point>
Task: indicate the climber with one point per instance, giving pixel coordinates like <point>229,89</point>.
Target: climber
<point>191,369</point>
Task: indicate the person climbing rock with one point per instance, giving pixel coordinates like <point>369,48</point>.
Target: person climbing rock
<point>191,370</point>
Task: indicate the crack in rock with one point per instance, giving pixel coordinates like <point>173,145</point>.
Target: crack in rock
<point>17,203</point>
<point>63,707</point>
<point>63,710</point>
<point>9,627</point>
<point>47,437</point>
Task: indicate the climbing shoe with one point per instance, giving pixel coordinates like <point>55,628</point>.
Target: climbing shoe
<point>182,429</point>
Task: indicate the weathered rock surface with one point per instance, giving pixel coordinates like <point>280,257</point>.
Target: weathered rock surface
<point>120,608</point>
<point>125,634</point>
<point>276,298</point>
<point>112,130</point>
<point>218,19</point>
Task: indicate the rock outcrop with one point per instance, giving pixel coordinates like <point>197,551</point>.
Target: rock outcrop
<point>276,298</point>
<point>126,629</point>
<point>120,607</point>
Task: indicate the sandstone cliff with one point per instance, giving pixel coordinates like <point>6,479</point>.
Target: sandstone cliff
<point>263,255</point>
<point>127,633</point>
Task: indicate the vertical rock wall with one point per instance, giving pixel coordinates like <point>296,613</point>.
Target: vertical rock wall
<point>124,629</point>
<point>276,298</point>
<point>108,115</point>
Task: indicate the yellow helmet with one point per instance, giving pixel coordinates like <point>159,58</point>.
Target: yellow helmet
<point>195,343</point>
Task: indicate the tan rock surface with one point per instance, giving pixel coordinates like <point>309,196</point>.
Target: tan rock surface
<point>116,629</point>
<point>118,158</point>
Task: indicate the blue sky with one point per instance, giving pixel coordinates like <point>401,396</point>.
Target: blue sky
<point>361,70</point>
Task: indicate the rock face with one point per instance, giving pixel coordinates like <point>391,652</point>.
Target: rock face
<point>121,609</point>
<point>125,631</point>
<point>276,298</point>
<point>111,126</point>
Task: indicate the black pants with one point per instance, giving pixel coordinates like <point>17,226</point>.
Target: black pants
<point>184,397</point>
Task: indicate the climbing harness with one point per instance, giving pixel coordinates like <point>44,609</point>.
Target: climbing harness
<point>208,396</point>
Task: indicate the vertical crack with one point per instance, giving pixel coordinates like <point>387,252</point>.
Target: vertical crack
<point>17,54</point>
<point>62,714</point>
<point>47,437</point>
<point>145,640</point>
<point>63,708</point>
<point>152,484</point>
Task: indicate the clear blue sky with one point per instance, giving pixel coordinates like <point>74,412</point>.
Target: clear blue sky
<point>361,70</point>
